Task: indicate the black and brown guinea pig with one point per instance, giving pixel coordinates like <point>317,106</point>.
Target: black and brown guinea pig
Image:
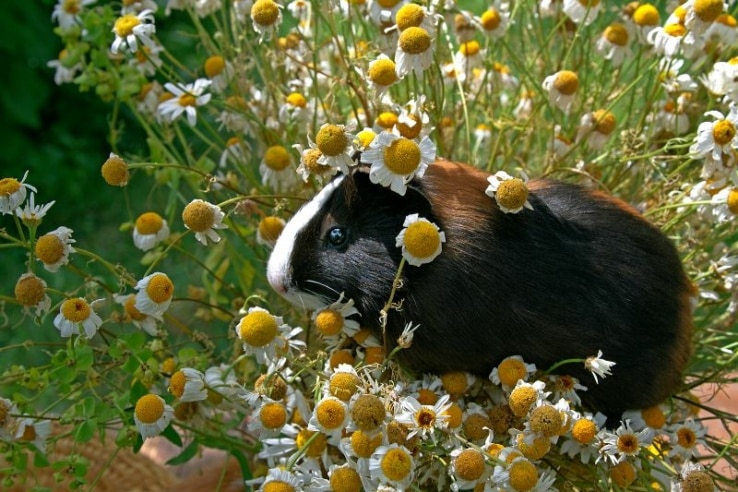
<point>579,273</point>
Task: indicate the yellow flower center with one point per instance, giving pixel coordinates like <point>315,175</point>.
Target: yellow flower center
<point>265,12</point>
<point>566,82</point>
<point>374,355</point>
<point>382,71</point>
<point>277,157</point>
<point>510,371</point>
<point>331,140</point>
<point>654,417</point>
<point>537,449</point>
<point>149,223</point>
<point>494,449</point>
<point>149,408</point>
<point>455,383</point>
<point>396,464</point>
<point>732,201</point>
<point>521,399</point>
<point>623,474</point>
<point>616,34</point>
<point>258,328</point>
<point>589,3</point>
<point>186,100</point>
<point>329,322</point>
<point>727,20</point>
<point>628,443</point>
<point>386,120</point>
<point>512,193</point>
<point>160,288</point>
<point>29,433</point>
<point>409,15</point>
<point>237,102</point>
<point>177,384</point>
<point>583,431</point>
<point>402,156</point>
<point>76,310</point>
<point>124,25</point>
<point>388,4</point>
<point>72,7</point>
<point>545,420</point>
<point>4,413</point>
<point>330,414</point>
<point>132,312</point>
<point>425,418</point>
<point>277,486</point>
<point>698,481</point>
<point>646,15</point>
<point>427,397</point>
<point>454,415</point>
<point>469,464</point>
<point>470,48</point>
<point>604,121</point>
<point>523,475</point>
<point>363,445</point>
<point>198,216</point>
<point>675,30</point>
<point>270,228</point>
<point>365,137</point>
<point>8,186</point>
<point>422,239</point>
<point>49,249</point>
<point>686,437</point>
<point>723,132</point>
<point>368,412</point>
<point>490,19</point>
<point>345,479</point>
<point>414,40</point>
<point>115,171</point>
<point>214,66</point>
<point>475,426</point>
<point>272,386</point>
<point>343,385</point>
<point>708,10</point>
<point>30,290</point>
<point>316,447</point>
<point>296,99</point>
<point>273,415</point>
<point>290,42</point>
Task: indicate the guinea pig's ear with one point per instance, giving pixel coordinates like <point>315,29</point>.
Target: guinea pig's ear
<point>417,200</point>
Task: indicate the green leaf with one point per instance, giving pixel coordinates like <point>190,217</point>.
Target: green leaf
<point>186,455</point>
<point>85,358</point>
<point>172,436</point>
<point>85,431</point>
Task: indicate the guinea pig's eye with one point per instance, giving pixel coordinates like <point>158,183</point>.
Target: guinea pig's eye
<point>336,236</point>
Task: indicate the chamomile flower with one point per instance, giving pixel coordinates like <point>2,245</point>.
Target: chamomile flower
<point>392,465</point>
<point>493,22</point>
<point>581,11</point>
<point>8,411</point>
<point>34,431</point>
<point>667,40</point>
<point>203,218</point>
<point>368,413</point>
<point>260,332</point>
<point>269,229</point>
<point>646,18</point>
<point>725,204</point>
<point>278,480</point>
<point>717,137</point>
<point>468,467</point>
<point>701,14</point>
<point>295,109</point>
<point>526,396</point>
<point>414,51</point>
<point>652,417</point>
<point>269,419</point>
<point>188,384</point>
<point>613,44</point>
<point>596,127</point>
<point>155,292</point>
<point>333,319</point>
<point>396,160</point>
<point>132,28</point>
<point>13,193</point>
<point>149,230</point>
<point>266,16</point>
<point>152,415</point>
<point>511,370</point>
<point>624,442</point>
<point>220,72</point>
<point>276,169</point>
<point>561,87</point>
<point>140,320</point>
<point>66,12</point>
<point>598,366</point>
<point>381,73</point>
<point>53,248</point>
<point>330,416</point>
<point>335,145</point>
<point>344,383</point>
<point>187,98</point>
<point>692,478</point>
<point>30,292</point>
<point>64,71</point>
<point>420,239</point>
<point>77,316</point>
<point>519,474</point>
<point>511,194</point>
<point>32,214</point>
<point>686,438</point>
<point>583,437</point>
<point>423,419</point>
<point>469,57</point>
<point>414,15</point>
<point>566,387</point>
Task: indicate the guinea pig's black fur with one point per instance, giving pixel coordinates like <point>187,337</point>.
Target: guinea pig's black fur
<point>579,273</point>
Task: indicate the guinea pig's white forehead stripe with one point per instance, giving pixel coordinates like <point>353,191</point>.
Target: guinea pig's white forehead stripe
<point>280,258</point>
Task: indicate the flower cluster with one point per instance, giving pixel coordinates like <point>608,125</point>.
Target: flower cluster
<point>247,108</point>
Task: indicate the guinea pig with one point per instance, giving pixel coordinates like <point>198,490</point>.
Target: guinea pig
<point>580,272</point>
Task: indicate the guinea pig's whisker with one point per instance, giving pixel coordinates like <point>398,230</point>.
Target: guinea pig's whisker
<point>325,286</point>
